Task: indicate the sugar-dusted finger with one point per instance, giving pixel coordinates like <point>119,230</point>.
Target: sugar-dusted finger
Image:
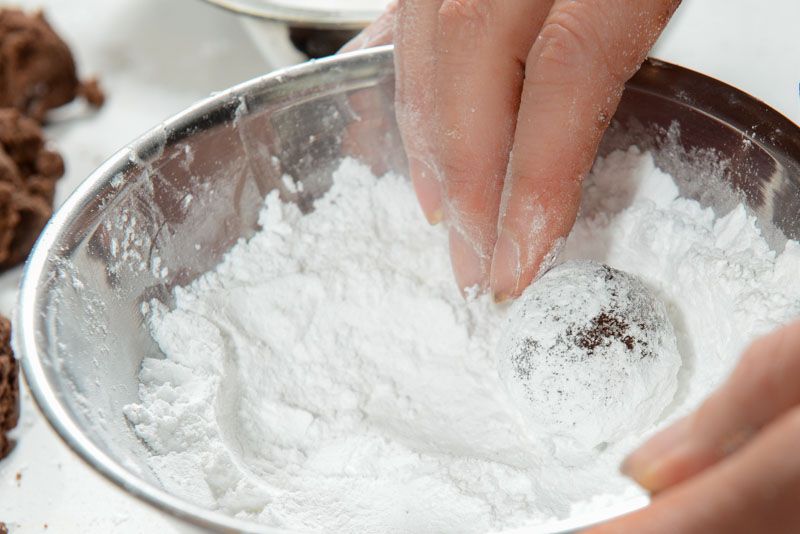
<point>575,76</point>
<point>481,49</point>
<point>415,39</point>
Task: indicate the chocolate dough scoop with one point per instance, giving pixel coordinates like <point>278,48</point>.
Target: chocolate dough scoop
<point>9,387</point>
<point>28,175</point>
<point>37,70</point>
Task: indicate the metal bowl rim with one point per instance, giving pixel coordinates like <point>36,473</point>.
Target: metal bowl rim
<point>299,17</point>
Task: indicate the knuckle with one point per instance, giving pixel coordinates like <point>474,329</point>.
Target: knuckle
<point>469,190</point>
<point>566,35</point>
<point>466,176</point>
<point>469,14</point>
<point>472,210</point>
<point>458,174</point>
<point>573,37</point>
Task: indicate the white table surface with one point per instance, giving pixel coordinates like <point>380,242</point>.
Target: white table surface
<point>155,57</point>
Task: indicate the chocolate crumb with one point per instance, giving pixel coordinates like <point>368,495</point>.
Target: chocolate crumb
<point>9,388</point>
<point>37,70</point>
<point>91,91</point>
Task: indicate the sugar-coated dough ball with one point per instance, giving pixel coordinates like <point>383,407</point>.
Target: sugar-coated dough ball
<point>589,354</point>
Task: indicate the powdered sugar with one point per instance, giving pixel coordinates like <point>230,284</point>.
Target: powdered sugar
<point>329,376</point>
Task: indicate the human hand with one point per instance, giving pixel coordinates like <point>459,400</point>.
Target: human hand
<point>732,466</point>
<point>501,106</point>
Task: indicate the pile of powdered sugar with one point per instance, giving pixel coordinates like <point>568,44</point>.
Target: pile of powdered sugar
<point>328,376</point>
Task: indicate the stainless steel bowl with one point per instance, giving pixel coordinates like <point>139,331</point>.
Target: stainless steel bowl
<point>166,208</point>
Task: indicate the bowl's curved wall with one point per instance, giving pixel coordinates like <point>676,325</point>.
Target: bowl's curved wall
<point>166,208</point>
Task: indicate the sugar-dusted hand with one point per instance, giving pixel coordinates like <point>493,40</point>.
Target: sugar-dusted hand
<point>502,105</point>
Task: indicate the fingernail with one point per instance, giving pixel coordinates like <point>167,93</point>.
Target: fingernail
<point>644,464</point>
<point>505,267</point>
<point>428,189</point>
<point>468,267</point>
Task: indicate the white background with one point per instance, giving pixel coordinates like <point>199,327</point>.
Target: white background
<point>155,57</point>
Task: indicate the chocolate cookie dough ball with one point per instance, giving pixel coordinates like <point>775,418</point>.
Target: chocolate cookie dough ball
<point>37,70</point>
<point>28,175</point>
<point>589,355</point>
<point>9,387</point>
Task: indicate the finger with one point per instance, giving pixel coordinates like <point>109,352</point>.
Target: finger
<point>368,107</point>
<point>575,75</point>
<point>370,129</point>
<point>480,65</point>
<point>761,388</point>
<point>415,34</point>
<point>379,33</point>
<point>755,490</point>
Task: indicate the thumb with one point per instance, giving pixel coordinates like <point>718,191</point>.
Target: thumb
<point>755,490</point>
<point>761,389</point>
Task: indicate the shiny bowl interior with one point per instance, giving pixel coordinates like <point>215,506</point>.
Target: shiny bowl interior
<point>167,207</point>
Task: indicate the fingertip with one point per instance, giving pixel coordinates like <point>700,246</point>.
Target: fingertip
<point>428,190</point>
<point>669,457</point>
<point>649,477</point>
<point>660,444</point>
<point>501,297</point>
<point>505,270</point>
<point>676,466</point>
<point>643,462</point>
<point>517,262</point>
